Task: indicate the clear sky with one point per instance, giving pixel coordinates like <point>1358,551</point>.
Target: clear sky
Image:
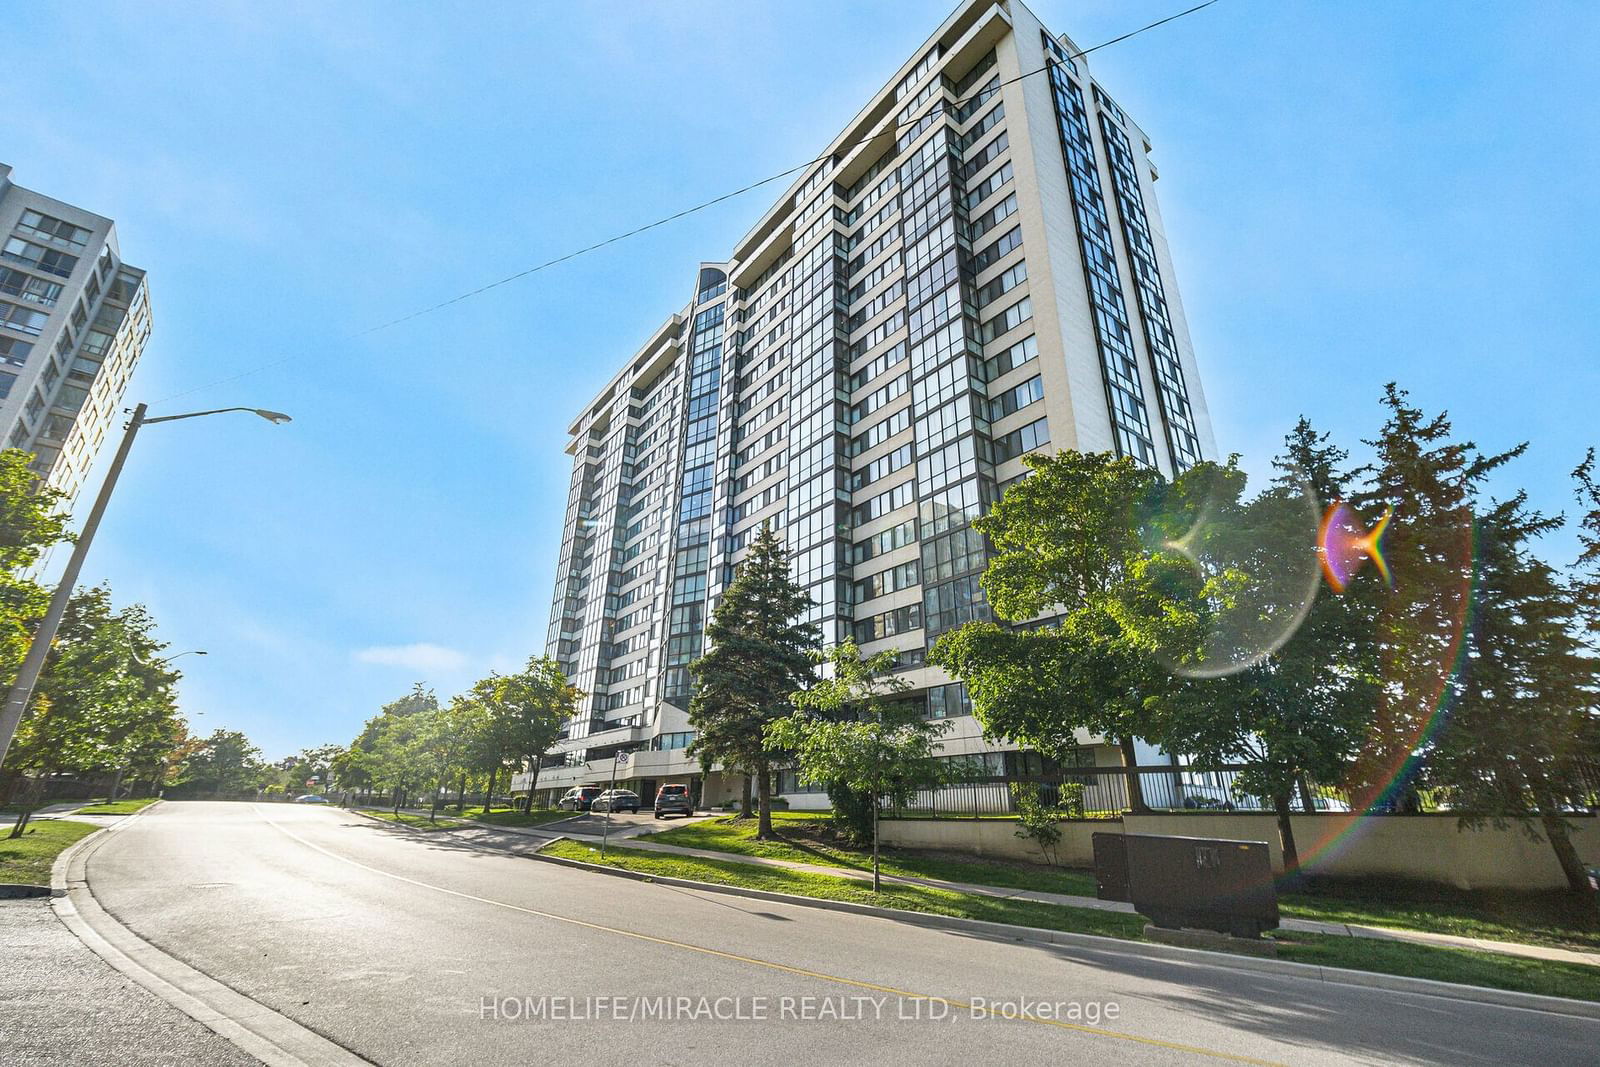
<point>1354,192</point>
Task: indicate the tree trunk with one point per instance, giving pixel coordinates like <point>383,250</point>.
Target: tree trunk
<point>116,786</point>
<point>461,796</point>
<point>1130,758</point>
<point>745,804</point>
<point>764,796</point>
<point>533,782</point>
<point>1291,853</point>
<point>1307,805</point>
<point>488,792</point>
<point>1555,828</point>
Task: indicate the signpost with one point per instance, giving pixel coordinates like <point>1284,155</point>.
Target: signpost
<point>620,759</point>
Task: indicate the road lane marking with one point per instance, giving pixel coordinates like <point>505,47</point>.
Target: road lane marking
<point>857,983</point>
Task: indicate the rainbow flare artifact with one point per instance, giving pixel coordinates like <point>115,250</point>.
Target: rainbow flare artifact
<point>1344,546</point>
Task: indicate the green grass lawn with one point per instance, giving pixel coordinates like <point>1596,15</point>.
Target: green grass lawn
<point>809,838</point>
<point>508,817</point>
<point>412,819</point>
<point>1388,957</point>
<point>1554,918</point>
<point>27,859</point>
<point>1550,918</point>
<point>119,807</point>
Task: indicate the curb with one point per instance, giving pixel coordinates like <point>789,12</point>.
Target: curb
<point>270,1037</point>
<point>1504,998</point>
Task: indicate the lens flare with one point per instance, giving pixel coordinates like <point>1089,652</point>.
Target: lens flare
<point>1250,622</point>
<point>1345,546</point>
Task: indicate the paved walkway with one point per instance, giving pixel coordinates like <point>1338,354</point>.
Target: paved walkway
<point>1308,926</point>
<point>64,1005</point>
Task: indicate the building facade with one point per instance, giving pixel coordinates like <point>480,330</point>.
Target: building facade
<point>975,270</point>
<point>74,319</point>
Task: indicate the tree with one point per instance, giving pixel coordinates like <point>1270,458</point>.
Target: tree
<point>857,740</point>
<point>354,766</point>
<point>758,656</point>
<point>226,763</point>
<point>1516,735</point>
<point>105,701</point>
<point>30,522</point>
<point>1082,538</point>
<point>1420,627</point>
<point>1302,710</point>
<point>532,706</point>
<point>1586,570</point>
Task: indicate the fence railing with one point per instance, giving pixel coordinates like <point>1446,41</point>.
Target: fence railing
<point>1103,793</point>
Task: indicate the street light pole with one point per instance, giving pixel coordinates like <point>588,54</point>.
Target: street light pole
<point>33,663</point>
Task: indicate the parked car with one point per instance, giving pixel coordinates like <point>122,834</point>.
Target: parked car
<point>310,798</point>
<point>616,800</point>
<point>579,798</point>
<point>673,798</point>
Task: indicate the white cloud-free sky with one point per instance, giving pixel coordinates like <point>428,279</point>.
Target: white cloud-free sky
<point>1354,192</point>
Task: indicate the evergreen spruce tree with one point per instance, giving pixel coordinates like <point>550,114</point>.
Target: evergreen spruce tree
<point>1433,482</point>
<point>758,655</point>
<point>1514,744</point>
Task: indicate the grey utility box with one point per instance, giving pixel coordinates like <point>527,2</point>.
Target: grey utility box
<point>1110,866</point>
<point>1198,883</point>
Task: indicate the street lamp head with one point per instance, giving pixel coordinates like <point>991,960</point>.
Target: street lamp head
<point>277,418</point>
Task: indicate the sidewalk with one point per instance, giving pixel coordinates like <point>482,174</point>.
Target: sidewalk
<point>49,811</point>
<point>1307,926</point>
<point>65,1005</point>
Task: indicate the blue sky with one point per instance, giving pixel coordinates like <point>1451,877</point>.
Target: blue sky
<point>1354,192</point>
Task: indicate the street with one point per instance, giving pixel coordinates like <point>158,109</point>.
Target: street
<point>425,948</point>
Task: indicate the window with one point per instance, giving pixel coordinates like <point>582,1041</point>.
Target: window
<point>889,623</point>
<point>6,382</point>
<point>1016,398</point>
<point>949,605</point>
<point>886,541</point>
<point>28,288</point>
<point>1019,441</point>
<point>56,231</point>
<point>14,352</point>
<point>948,701</point>
<point>1002,284</point>
<point>22,319</point>
<point>1023,352</point>
<point>31,255</point>
<point>885,582</point>
<point>1005,321</point>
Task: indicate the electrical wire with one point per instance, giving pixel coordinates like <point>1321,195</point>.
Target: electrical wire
<point>976,98</point>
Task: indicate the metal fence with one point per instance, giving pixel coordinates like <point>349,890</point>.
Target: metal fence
<point>1103,793</point>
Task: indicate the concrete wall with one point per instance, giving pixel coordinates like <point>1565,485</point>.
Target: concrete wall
<point>1419,848</point>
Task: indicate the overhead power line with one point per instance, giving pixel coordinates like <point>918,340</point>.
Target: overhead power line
<point>975,98</point>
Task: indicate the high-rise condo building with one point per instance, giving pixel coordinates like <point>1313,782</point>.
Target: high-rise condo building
<point>975,270</point>
<point>73,320</point>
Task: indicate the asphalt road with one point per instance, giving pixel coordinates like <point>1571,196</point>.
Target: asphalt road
<point>412,948</point>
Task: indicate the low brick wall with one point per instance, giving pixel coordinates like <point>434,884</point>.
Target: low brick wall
<point>1418,848</point>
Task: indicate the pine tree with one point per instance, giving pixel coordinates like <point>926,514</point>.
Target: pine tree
<point>758,655</point>
<point>1433,483</point>
<point>1514,743</point>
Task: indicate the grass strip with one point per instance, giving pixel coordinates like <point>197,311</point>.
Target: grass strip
<point>1552,918</point>
<point>27,859</point>
<point>1544,977</point>
<point>118,807</point>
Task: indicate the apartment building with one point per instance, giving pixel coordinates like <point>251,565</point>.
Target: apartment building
<point>74,319</point>
<point>976,270</point>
